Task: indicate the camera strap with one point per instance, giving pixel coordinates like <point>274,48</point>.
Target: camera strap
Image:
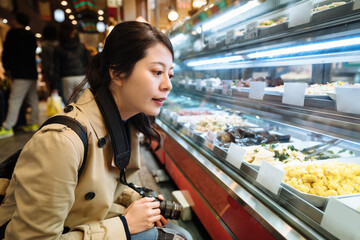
<point>119,133</point>
<point>118,130</point>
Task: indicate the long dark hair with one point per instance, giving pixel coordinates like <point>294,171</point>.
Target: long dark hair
<point>124,47</point>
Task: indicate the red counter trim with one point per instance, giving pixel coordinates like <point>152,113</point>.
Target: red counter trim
<point>239,221</point>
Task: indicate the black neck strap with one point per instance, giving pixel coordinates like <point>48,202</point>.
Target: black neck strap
<point>119,132</point>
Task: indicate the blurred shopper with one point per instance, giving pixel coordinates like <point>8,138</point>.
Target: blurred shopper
<point>70,58</point>
<point>50,41</point>
<point>46,200</point>
<point>19,62</point>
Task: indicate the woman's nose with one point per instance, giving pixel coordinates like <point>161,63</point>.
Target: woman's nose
<point>166,84</point>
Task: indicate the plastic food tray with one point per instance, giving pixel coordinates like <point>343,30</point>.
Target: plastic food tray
<point>331,13</point>
<point>320,201</point>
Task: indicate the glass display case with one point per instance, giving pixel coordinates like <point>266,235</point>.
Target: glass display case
<point>265,108</point>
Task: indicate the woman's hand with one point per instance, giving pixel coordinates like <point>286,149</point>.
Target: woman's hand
<point>163,221</point>
<point>142,214</point>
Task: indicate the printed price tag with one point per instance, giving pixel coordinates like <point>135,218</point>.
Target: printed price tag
<point>212,41</point>
<point>300,14</point>
<point>198,84</point>
<point>174,118</point>
<point>356,4</point>
<point>209,86</point>
<point>257,90</point>
<point>230,36</point>
<point>251,30</point>
<point>294,94</point>
<point>341,220</point>
<point>256,75</point>
<point>270,177</point>
<point>345,99</point>
<point>209,140</point>
<point>187,82</point>
<point>226,87</point>
<point>208,144</point>
<point>188,130</point>
<point>235,155</point>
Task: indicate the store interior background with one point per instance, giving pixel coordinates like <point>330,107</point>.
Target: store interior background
<point>89,15</point>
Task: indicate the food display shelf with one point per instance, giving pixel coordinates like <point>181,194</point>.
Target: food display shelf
<point>220,52</point>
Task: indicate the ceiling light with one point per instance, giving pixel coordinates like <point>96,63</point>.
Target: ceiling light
<point>100,12</point>
<point>101,18</point>
<point>64,3</point>
<point>173,15</point>
<point>74,22</point>
<point>71,17</point>
<point>59,15</point>
<point>68,10</point>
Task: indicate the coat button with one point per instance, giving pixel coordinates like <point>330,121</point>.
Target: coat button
<point>66,230</point>
<point>89,196</point>
<point>101,142</point>
<point>68,108</point>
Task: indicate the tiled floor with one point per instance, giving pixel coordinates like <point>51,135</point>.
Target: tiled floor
<point>146,179</point>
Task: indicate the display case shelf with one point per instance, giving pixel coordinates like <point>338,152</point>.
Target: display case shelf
<point>219,53</point>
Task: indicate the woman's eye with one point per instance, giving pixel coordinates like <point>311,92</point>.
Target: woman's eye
<point>158,72</point>
<point>171,76</point>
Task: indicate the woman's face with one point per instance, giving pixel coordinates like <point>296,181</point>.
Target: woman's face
<point>148,85</point>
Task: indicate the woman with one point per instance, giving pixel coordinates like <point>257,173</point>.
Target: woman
<point>45,199</point>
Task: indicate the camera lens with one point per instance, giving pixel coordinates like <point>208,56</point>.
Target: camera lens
<point>170,210</point>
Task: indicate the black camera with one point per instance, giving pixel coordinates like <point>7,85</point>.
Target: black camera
<point>170,210</point>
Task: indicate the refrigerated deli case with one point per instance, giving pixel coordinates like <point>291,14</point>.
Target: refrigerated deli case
<point>262,127</point>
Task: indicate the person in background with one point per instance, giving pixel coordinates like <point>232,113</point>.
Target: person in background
<point>50,41</point>
<point>19,62</point>
<point>46,199</point>
<point>70,59</point>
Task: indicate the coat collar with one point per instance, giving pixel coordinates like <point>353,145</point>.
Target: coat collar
<point>87,104</point>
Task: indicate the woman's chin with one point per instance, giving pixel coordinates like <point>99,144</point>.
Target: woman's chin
<point>153,112</point>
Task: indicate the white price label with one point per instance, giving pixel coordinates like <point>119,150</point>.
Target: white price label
<point>230,36</point>
<point>294,94</point>
<point>226,87</point>
<point>209,86</point>
<point>212,41</point>
<point>257,90</point>
<point>235,155</point>
<point>356,4</point>
<point>251,30</point>
<point>300,14</point>
<point>187,82</point>
<point>270,177</point>
<point>174,118</point>
<point>198,85</point>
<point>341,220</point>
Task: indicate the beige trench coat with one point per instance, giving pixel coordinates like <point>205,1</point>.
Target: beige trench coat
<point>45,195</point>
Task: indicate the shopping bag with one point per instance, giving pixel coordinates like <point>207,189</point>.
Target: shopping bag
<point>53,105</point>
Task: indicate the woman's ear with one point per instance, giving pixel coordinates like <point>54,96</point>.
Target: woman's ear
<point>117,78</point>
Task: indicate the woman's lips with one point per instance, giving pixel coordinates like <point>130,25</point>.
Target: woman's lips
<point>159,101</point>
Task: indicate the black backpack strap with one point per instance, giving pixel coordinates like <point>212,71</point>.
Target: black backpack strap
<point>76,127</point>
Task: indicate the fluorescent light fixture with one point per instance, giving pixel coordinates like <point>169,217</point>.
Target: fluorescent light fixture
<point>178,39</point>
<point>214,61</point>
<point>306,48</point>
<point>220,20</point>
